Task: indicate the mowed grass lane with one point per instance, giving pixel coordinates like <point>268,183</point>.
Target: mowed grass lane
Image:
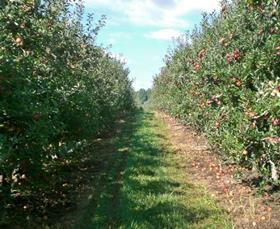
<point>146,184</point>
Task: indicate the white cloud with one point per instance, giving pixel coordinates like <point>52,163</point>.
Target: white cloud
<point>120,57</point>
<point>115,36</point>
<point>160,13</point>
<point>165,34</point>
<point>146,12</point>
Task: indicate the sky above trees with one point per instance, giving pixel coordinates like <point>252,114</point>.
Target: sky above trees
<point>141,31</point>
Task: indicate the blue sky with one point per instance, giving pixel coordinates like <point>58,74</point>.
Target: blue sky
<point>141,31</point>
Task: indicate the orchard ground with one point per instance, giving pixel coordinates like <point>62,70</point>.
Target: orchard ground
<point>149,171</point>
<point>150,177</point>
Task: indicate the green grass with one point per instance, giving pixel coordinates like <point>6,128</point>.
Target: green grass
<point>146,185</point>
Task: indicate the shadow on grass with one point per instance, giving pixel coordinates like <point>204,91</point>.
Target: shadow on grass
<point>133,190</point>
<point>137,193</point>
<point>149,198</point>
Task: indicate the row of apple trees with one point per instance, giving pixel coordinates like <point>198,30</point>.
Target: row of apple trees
<point>224,79</point>
<point>58,90</point>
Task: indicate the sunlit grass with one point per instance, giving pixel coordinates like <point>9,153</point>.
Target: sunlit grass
<point>151,189</point>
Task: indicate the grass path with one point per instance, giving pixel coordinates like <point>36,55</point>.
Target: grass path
<point>145,185</point>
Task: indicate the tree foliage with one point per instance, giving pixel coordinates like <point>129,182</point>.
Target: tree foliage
<point>224,80</point>
<point>142,96</point>
<point>58,90</point>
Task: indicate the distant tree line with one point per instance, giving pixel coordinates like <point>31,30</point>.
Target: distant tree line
<point>142,96</point>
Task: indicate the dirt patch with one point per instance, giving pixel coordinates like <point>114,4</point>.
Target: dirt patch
<point>241,201</point>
